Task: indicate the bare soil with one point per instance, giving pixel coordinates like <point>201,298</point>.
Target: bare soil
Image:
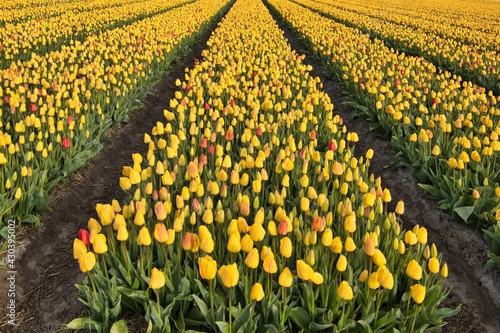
<point>47,272</point>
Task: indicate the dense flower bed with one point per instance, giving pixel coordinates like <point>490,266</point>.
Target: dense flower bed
<point>445,128</point>
<point>250,213</point>
<point>55,107</point>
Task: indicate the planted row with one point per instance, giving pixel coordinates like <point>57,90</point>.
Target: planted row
<point>249,212</point>
<point>473,62</point>
<point>55,108</point>
<point>446,129</point>
<point>38,36</point>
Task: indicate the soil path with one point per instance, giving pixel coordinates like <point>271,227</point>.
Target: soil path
<point>47,272</point>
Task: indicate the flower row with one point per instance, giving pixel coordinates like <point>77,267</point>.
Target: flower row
<point>449,19</point>
<point>479,66</point>
<point>56,107</point>
<point>27,39</point>
<point>445,127</point>
<point>250,206</point>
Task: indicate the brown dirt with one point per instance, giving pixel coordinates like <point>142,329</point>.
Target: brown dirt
<point>47,272</point>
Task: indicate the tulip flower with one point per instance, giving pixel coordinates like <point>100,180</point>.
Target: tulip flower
<point>257,232</point>
<point>410,238</point>
<point>269,265</point>
<point>336,246</point>
<point>252,258</point>
<point>286,247</point>
<point>234,244</point>
<point>286,278</point>
<point>327,237</point>
<point>414,270</point>
<point>122,234</point>
<point>317,278</point>
<point>350,223</point>
<point>433,265</point>
<point>304,271</point>
<point>444,271</point>
<point>344,291</point>
<point>373,281</point>
<point>257,292</point>
<point>229,275</point>
<point>144,237</point>
<point>157,280</point>
<point>378,258</point>
<point>417,293</point>
<point>84,236</point>
<point>87,262</point>
<point>341,263</point>
<point>400,208</point>
<point>79,248</point>
<point>207,267</point>
<point>99,244</point>
<point>422,235</point>
<point>350,246</point>
<point>385,278</point>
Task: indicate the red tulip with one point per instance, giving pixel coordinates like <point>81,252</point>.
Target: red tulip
<point>332,145</point>
<point>84,236</point>
<point>33,107</point>
<point>69,120</point>
<point>65,142</point>
<point>204,143</point>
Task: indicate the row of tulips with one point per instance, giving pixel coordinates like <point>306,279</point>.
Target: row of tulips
<point>14,11</point>
<point>55,109</point>
<point>35,37</point>
<point>446,129</point>
<point>476,27</point>
<point>469,61</point>
<point>250,212</point>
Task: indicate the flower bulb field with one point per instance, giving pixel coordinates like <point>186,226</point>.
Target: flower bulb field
<point>249,166</point>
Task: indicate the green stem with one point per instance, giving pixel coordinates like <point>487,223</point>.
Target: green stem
<point>230,314</point>
<point>414,319</point>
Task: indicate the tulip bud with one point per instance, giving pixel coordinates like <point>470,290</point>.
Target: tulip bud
<point>417,293</point>
<point>444,271</point>
<point>257,292</point>
<point>157,279</point>
<point>341,263</point>
<point>344,291</point>
<point>400,208</point>
<point>207,267</point>
<point>414,270</point>
<point>286,278</point>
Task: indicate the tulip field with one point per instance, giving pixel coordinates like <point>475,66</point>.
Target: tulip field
<point>249,207</point>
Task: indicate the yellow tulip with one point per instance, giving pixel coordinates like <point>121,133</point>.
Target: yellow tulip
<point>350,246</point>
<point>336,246</point>
<point>270,265</point>
<point>157,279</point>
<point>79,248</point>
<point>233,244</point>
<point>350,222</point>
<point>122,234</point>
<point>378,258</point>
<point>257,292</point>
<point>257,232</point>
<point>410,238</point>
<point>422,235</point>
<point>207,267</point>
<point>286,278</point>
<point>252,258</point>
<point>286,247</point>
<point>414,270</point>
<point>417,293</point>
<point>304,271</point>
<point>144,237</point>
<point>344,291</point>
<point>87,262</point>
<point>385,277</point>
<point>433,265</point>
<point>341,263</point>
<point>400,208</point>
<point>363,276</point>
<point>373,281</point>
<point>229,275</point>
<point>99,244</point>
<point>160,233</point>
<point>444,271</point>
<point>327,237</point>
<point>317,278</point>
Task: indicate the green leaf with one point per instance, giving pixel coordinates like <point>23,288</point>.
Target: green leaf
<point>366,326</point>
<point>317,327</point>
<point>431,189</point>
<point>464,212</point>
<point>223,326</point>
<point>243,318</point>
<point>447,312</point>
<point>300,316</point>
<point>84,323</point>
<point>119,327</point>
